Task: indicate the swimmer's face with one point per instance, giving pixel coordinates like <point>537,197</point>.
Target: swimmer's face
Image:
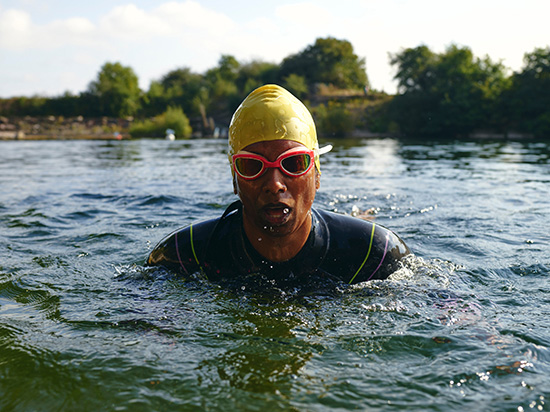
<point>276,204</point>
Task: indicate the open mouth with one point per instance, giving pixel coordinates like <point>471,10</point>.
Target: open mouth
<point>277,214</point>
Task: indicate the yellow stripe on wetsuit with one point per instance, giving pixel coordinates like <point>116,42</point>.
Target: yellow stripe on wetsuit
<point>193,245</point>
<point>193,250</point>
<point>368,253</point>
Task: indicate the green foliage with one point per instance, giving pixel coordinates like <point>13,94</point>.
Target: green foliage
<point>221,84</point>
<point>329,61</point>
<point>228,68</point>
<point>440,94</point>
<point>414,69</point>
<point>180,87</point>
<point>527,102</point>
<point>30,106</point>
<point>446,94</point>
<point>117,90</point>
<point>333,120</point>
<point>174,118</point>
<point>296,85</point>
<point>255,74</point>
<point>374,115</point>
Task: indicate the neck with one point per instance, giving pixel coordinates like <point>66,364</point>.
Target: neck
<point>276,247</point>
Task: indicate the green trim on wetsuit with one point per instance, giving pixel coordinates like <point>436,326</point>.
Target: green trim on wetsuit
<point>335,249</point>
<point>193,244</point>
<point>366,257</point>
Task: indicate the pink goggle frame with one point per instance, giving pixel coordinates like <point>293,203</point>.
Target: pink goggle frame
<point>294,162</point>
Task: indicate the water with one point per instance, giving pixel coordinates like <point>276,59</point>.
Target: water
<point>464,325</point>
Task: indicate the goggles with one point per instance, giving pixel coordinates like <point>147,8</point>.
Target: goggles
<point>294,162</point>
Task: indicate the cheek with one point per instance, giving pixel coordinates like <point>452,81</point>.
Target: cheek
<point>306,192</point>
<point>244,189</point>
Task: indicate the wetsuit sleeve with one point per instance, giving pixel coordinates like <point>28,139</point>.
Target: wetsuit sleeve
<point>381,257</point>
<point>183,250</point>
<point>360,250</point>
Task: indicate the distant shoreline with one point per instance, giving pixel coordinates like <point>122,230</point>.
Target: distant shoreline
<point>52,128</point>
<point>357,134</point>
<point>25,137</point>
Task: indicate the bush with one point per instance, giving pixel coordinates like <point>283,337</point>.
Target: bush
<point>173,118</point>
<point>336,120</point>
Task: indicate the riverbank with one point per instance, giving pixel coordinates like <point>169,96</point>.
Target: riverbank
<point>79,128</point>
<point>60,128</point>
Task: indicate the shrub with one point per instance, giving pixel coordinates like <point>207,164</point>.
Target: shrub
<point>334,120</point>
<point>173,118</point>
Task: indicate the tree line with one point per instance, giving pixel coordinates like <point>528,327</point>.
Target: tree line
<point>452,93</point>
<point>455,93</point>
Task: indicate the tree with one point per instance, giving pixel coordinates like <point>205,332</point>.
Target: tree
<point>414,69</point>
<point>228,68</point>
<point>412,110</point>
<point>296,85</point>
<point>335,120</point>
<point>447,94</point>
<point>186,89</point>
<point>255,74</point>
<point>221,83</point>
<point>329,61</point>
<point>174,118</point>
<point>528,100</point>
<point>117,90</point>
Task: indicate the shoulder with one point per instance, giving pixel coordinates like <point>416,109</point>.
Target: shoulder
<point>199,246</point>
<point>345,228</point>
<point>355,228</point>
<point>180,249</point>
<point>361,250</point>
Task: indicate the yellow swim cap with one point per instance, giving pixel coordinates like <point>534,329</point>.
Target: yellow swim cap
<point>270,113</point>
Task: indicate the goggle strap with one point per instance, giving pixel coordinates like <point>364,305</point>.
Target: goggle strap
<point>324,149</point>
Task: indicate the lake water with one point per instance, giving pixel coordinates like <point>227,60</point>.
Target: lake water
<point>464,325</point>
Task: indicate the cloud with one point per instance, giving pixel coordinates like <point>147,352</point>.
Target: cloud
<point>19,33</point>
<point>189,16</point>
<point>131,23</point>
<point>184,21</point>
<point>15,29</point>
<point>60,33</point>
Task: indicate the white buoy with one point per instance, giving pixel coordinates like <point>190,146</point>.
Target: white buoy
<point>170,134</point>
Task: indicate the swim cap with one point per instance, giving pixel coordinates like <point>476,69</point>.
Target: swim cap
<point>270,113</point>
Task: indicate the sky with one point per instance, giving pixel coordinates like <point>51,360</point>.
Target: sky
<point>49,47</point>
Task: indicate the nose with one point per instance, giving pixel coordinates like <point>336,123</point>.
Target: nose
<point>274,181</point>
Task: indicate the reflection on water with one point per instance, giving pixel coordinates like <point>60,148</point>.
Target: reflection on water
<point>83,325</point>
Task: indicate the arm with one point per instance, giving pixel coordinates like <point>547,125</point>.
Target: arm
<point>182,250</point>
<point>382,256</point>
<point>361,250</point>
<point>173,251</point>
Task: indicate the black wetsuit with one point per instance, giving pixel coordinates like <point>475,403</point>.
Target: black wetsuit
<point>338,247</point>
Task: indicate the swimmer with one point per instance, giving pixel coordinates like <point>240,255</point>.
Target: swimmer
<point>273,229</point>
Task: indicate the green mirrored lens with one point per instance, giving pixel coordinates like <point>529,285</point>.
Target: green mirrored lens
<point>296,164</point>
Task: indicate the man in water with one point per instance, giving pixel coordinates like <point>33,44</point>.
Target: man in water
<point>272,230</point>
